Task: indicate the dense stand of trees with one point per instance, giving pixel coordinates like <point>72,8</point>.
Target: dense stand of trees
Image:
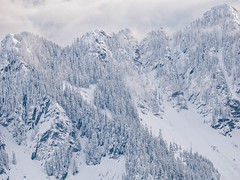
<point>46,90</point>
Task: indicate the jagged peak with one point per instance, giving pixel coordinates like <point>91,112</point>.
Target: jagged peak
<point>224,16</point>
<point>221,11</point>
<point>98,32</point>
<point>225,7</point>
<point>94,35</point>
<point>9,42</point>
<point>221,15</point>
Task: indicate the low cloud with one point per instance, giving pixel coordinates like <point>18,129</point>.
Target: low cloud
<point>63,20</point>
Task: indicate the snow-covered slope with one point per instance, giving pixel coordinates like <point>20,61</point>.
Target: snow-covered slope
<point>189,130</point>
<point>22,167</point>
<point>79,111</point>
<point>207,58</point>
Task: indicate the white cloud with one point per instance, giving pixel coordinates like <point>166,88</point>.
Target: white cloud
<point>62,20</point>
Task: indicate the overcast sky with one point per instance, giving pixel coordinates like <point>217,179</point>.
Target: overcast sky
<point>63,20</point>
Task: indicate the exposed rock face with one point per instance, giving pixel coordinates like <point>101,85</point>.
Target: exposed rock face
<point>55,100</point>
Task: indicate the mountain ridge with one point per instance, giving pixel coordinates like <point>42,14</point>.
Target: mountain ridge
<point>90,98</point>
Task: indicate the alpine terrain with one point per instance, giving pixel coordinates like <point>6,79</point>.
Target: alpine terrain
<point>110,107</point>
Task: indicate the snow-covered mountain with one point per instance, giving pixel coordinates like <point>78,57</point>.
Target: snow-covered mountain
<point>109,107</point>
<point>207,58</point>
